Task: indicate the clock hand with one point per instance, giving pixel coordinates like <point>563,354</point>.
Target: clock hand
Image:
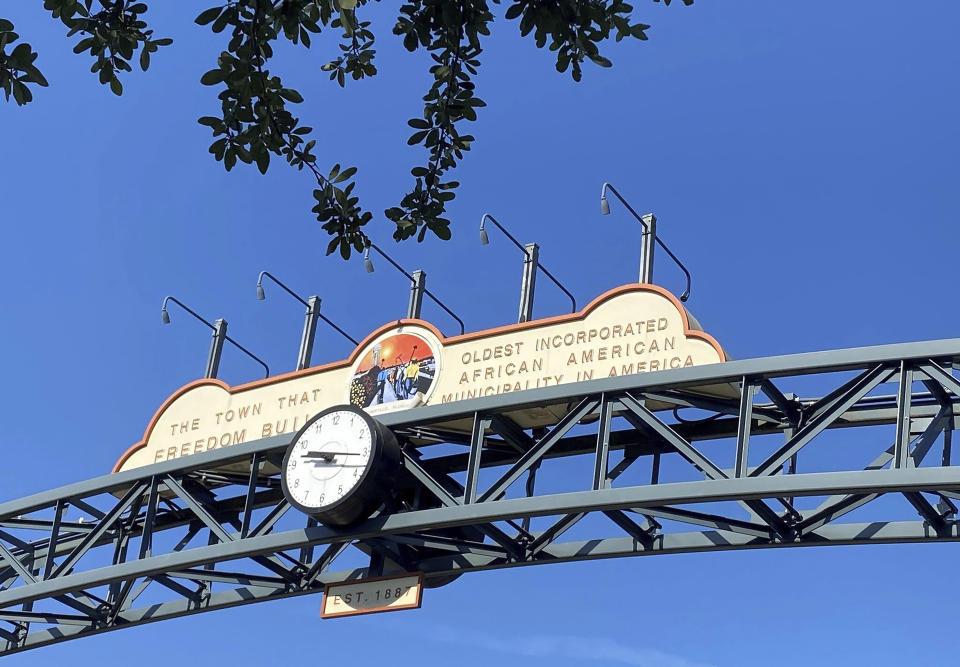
<point>325,455</point>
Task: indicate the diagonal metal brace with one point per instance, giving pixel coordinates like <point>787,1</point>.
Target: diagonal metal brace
<point>103,526</point>
<point>198,509</point>
<point>860,387</point>
<point>535,453</point>
<point>649,421</point>
<point>449,500</point>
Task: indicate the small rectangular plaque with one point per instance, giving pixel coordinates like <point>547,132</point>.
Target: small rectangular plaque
<point>368,596</point>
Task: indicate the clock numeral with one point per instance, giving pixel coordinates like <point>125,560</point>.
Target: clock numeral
<point>296,483</point>
<point>336,419</point>
<point>340,489</point>
<point>321,499</point>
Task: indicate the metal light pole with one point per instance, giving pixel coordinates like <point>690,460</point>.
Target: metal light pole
<point>531,262</point>
<point>219,328</point>
<point>418,285</point>
<point>649,223</point>
<point>313,314</point>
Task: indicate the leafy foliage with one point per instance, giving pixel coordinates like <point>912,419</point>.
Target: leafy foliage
<point>17,68</point>
<point>255,122</point>
<point>112,35</point>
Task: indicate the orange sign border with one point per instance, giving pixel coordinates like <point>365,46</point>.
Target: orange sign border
<point>349,361</point>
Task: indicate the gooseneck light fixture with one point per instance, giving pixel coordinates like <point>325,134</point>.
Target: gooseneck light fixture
<point>219,328</point>
<point>313,314</point>
<point>418,285</point>
<point>650,237</point>
<point>531,262</point>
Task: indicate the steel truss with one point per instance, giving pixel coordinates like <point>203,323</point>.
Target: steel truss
<point>212,530</point>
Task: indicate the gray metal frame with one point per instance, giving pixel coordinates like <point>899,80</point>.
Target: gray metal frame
<point>213,531</point>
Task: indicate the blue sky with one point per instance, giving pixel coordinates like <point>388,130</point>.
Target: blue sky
<point>800,157</point>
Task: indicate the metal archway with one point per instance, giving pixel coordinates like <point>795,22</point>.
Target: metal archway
<point>212,531</point>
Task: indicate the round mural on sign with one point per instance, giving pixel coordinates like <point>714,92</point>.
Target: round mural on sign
<point>398,370</point>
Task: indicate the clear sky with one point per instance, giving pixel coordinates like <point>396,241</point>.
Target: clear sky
<point>801,158</point>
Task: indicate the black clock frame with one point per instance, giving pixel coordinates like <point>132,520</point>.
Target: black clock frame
<point>375,484</point>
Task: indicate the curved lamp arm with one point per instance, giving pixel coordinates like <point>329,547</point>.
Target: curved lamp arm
<point>605,209</point>
<point>484,241</point>
<point>369,266</point>
<point>272,277</point>
<point>260,295</point>
<point>166,320</point>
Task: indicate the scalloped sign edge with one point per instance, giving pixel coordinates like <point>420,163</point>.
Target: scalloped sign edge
<point>389,370</point>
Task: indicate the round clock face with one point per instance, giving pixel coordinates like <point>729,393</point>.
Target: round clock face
<point>329,457</point>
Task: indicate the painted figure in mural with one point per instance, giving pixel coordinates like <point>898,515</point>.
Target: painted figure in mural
<point>398,377</point>
<point>410,374</point>
<point>382,378</point>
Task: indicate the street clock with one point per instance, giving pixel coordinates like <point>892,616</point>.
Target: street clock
<point>340,466</point>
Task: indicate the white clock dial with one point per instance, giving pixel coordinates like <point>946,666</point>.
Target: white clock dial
<point>328,459</point>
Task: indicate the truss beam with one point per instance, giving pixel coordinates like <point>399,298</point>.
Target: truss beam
<point>230,527</point>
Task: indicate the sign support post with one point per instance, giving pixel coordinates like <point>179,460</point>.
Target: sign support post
<point>216,348</point>
<point>646,249</point>
<point>417,288</point>
<point>309,332</point>
<point>530,262</point>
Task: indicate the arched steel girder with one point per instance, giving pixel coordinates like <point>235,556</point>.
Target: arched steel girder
<point>212,531</point>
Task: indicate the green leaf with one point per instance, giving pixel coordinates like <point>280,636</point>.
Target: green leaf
<point>221,21</point>
<point>115,86</point>
<point>417,137</point>
<point>35,76</point>
<point>345,174</point>
<point>263,161</point>
<point>419,123</point>
<point>21,93</point>
<point>291,95</point>
<point>514,11</point>
<point>208,15</point>
<point>212,78</point>
<point>21,52</point>
<point>5,26</point>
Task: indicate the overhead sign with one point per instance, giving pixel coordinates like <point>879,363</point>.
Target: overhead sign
<point>368,596</point>
<point>629,330</point>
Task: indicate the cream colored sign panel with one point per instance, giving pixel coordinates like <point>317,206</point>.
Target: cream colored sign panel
<point>632,329</point>
<point>368,596</point>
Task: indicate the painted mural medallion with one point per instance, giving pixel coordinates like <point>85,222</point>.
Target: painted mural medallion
<point>397,371</point>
